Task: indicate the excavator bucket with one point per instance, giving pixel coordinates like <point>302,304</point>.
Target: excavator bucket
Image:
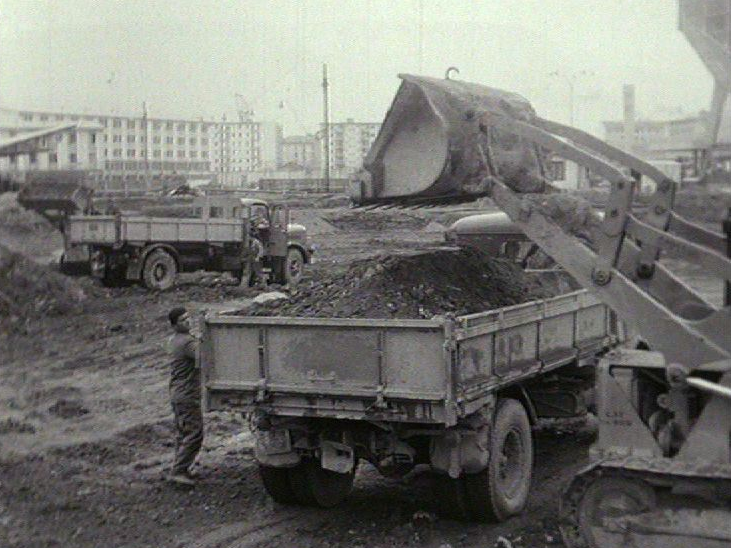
<point>55,199</point>
<point>430,150</point>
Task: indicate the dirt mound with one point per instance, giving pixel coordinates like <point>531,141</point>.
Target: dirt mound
<point>29,290</point>
<point>420,285</point>
<point>360,219</point>
<point>177,211</point>
<point>25,231</point>
<point>14,216</point>
<point>68,409</point>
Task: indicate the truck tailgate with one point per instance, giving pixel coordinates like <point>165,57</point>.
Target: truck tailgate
<point>399,370</point>
<point>346,365</point>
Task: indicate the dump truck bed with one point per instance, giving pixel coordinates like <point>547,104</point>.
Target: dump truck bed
<point>419,371</point>
<point>110,229</point>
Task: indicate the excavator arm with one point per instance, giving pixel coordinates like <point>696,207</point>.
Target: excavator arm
<point>444,141</point>
<point>622,266</point>
<point>664,415</point>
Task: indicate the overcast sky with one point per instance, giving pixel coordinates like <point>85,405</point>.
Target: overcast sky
<point>188,58</point>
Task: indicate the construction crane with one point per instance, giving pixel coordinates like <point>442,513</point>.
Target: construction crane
<point>661,466</point>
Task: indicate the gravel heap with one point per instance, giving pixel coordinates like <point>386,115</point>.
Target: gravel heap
<point>16,217</point>
<point>362,219</point>
<point>416,286</point>
<point>29,290</point>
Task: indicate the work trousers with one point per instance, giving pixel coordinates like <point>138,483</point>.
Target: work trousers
<point>189,434</point>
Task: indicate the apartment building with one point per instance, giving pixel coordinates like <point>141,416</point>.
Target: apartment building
<point>303,153</point>
<point>134,150</point>
<point>684,140</point>
<point>350,141</point>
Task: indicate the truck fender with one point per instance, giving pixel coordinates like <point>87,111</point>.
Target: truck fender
<point>460,451</point>
<point>519,393</point>
<point>134,267</point>
<point>276,455</point>
<point>301,249</point>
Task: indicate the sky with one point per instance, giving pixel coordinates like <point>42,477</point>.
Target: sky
<point>191,58</point>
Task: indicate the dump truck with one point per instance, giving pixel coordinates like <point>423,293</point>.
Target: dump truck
<point>660,473</point>
<point>247,237</point>
<point>458,394</point>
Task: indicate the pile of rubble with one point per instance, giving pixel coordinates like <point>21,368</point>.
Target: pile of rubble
<point>30,290</point>
<point>14,216</point>
<point>420,285</point>
<point>362,219</point>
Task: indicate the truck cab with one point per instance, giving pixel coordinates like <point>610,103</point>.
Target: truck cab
<point>497,235</point>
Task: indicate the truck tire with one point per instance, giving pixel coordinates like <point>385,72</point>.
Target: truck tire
<point>315,486</point>
<point>294,267</point>
<point>451,497</point>
<point>160,270</point>
<point>277,483</point>
<point>501,489</point>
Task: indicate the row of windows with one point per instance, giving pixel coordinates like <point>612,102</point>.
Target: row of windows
<point>136,165</point>
<point>120,122</point>
<point>118,152</point>
<point>53,158</point>
<point>157,140</point>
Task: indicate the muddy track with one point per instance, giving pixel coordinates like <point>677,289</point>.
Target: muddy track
<point>85,436</point>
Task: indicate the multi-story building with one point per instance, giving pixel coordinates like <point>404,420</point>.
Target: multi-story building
<point>349,143</point>
<point>301,153</point>
<point>133,151</point>
<point>684,140</point>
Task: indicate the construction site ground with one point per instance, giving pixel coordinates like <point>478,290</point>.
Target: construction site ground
<point>86,429</point>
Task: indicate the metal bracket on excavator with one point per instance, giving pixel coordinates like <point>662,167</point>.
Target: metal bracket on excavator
<point>445,141</point>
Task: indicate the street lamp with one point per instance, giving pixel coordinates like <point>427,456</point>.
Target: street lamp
<point>571,81</point>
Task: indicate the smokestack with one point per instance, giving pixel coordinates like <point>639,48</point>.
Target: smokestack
<point>628,97</point>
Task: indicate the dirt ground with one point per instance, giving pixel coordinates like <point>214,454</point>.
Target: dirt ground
<point>86,430</point>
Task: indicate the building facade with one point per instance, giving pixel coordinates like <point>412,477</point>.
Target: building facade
<point>683,140</point>
<point>133,151</point>
<point>350,141</point>
<point>301,153</point>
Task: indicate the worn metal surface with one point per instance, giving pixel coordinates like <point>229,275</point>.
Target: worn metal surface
<point>106,229</point>
<point>394,369</point>
<point>430,146</point>
<point>665,523</point>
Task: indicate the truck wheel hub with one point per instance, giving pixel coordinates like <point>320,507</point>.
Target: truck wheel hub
<point>510,462</point>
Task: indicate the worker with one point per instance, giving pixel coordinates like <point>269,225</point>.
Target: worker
<point>185,397</point>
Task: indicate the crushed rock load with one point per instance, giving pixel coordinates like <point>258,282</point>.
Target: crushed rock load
<point>360,219</point>
<point>414,286</point>
<point>29,290</point>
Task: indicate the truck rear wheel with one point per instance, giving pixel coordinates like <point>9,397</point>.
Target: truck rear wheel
<point>315,486</point>
<point>277,484</point>
<point>501,490</point>
<point>160,270</point>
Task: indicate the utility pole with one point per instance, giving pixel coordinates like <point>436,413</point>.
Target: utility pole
<point>421,36</point>
<point>571,81</point>
<point>148,182</point>
<point>326,113</point>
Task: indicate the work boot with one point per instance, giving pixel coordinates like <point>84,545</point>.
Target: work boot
<point>181,478</point>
